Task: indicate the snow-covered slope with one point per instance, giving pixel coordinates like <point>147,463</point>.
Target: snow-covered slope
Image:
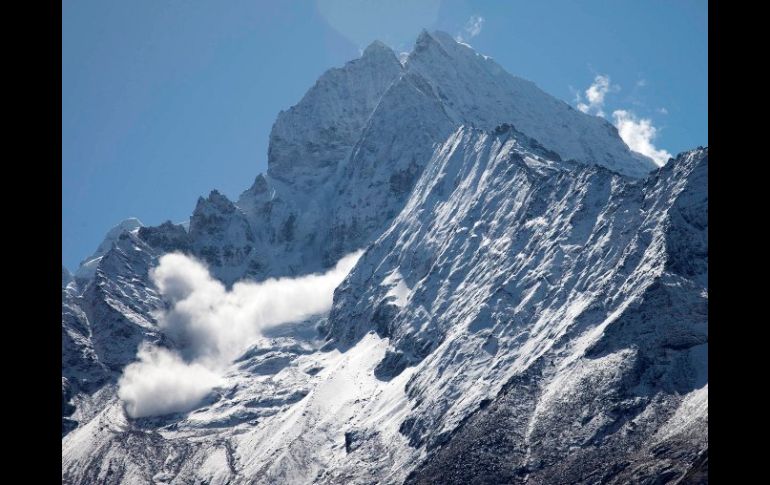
<point>527,310</point>
<point>310,139</point>
<point>587,330</point>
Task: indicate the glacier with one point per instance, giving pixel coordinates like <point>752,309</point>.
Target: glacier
<point>531,304</point>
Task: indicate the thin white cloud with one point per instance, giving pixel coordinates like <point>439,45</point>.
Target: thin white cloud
<point>639,133</point>
<point>595,95</point>
<point>211,327</point>
<point>472,28</point>
<point>474,25</point>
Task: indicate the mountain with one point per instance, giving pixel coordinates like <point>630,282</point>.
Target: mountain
<point>88,266</point>
<point>530,306</point>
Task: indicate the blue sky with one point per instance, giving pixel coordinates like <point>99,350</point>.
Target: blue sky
<point>164,100</point>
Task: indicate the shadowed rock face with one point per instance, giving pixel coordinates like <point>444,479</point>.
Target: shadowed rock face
<point>531,306</point>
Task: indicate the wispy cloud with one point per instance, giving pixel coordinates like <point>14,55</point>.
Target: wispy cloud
<point>474,25</point>
<point>639,133</point>
<point>472,28</point>
<point>593,103</point>
<point>211,327</point>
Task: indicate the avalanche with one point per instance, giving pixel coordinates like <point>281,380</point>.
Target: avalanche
<point>530,305</point>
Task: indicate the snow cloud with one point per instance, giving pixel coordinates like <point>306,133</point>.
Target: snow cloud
<point>638,133</point>
<point>211,327</point>
<point>161,382</point>
<point>472,28</point>
<point>595,94</point>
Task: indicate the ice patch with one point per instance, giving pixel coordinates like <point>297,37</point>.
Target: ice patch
<point>399,291</point>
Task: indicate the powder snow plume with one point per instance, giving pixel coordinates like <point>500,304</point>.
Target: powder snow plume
<point>211,327</point>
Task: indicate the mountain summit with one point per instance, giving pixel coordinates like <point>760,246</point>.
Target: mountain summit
<point>530,305</point>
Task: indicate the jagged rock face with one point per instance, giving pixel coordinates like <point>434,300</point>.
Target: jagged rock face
<point>597,391</point>
<point>88,266</point>
<point>221,236</point>
<point>520,314</point>
<point>588,322</point>
<point>114,309</point>
<point>166,238</point>
<point>81,369</point>
<point>120,303</point>
<point>103,324</point>
<point>388,160</point>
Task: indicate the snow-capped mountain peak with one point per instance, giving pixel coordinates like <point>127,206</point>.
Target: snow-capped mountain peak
<point>378,50</point>
<point>311,138</point>
<point>88,266</point>
<point>480,93</point>
<point>530,305</point>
